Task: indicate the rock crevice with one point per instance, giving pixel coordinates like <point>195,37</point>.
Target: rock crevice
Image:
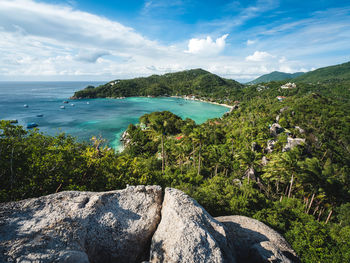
<point>136,224</point>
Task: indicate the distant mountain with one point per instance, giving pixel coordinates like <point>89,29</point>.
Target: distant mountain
<point>331,73</point>
<point>197,82</point>
<point>275,76</point>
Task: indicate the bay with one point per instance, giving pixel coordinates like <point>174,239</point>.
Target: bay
<point>107,118</point>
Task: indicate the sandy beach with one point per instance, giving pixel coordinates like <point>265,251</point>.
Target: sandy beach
<point>211,102</point>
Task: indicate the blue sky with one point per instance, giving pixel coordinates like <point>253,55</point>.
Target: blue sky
<point>103,40</point>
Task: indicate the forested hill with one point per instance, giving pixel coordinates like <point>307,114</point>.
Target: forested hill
<point>196,82</point>
<point>275,76</point>
<point>332,73</point>
<point>282,155</point>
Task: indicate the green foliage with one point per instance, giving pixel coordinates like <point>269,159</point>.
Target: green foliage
<point>196,82</point>
<point>223,163</point>
<point>275,76</point>
<point>332,73</point>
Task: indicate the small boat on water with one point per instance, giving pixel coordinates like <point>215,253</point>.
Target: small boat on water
<point>40,115</point>
<point>25,106</point>
<point>65,101</point>
<point>87,102</point>
<point>32,125</point>
<point>62,107</point>
<point>72,105</point>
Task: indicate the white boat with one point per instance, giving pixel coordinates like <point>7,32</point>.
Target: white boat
<point>72,105</point>
<point>62,107</point>
<point>25,106</point>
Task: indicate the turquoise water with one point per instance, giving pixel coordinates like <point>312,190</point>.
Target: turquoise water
<point>89,117</point>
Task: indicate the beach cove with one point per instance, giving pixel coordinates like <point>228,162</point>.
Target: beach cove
<point>86,118</point>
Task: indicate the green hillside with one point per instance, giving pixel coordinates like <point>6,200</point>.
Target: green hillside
<point>196,82</point>
<point>284,162</point>
<point>332,73</point>
<point>275,76</point>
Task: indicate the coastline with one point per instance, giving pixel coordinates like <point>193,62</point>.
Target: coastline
<point>120,148</point>
<point>201,100</point>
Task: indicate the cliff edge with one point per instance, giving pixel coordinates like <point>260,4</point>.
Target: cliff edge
<point>136,224</point>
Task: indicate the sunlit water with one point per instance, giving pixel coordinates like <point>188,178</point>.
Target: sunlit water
<point>89,117</point>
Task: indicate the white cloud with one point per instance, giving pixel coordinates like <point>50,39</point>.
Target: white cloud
<point>56,42</point>
<point>282,60</point>
<point>250,42</point>
<point>259,56</point>
<point>91,56</point>
<point>207,46</point>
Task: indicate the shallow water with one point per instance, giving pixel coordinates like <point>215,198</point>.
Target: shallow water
<point>89,117</point>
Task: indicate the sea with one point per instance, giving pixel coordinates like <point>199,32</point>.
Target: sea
<point>86,118</point>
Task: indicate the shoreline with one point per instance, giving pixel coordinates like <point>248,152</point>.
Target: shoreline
<point>177,97</point>
<point>121,147</point>
<point>201,100</point>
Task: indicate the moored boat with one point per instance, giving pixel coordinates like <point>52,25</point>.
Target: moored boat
<point>32,125</point>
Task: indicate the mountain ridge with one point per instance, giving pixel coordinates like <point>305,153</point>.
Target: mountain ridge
<point>196,82</point>
<point>275,76</point>
<point>337,72</point>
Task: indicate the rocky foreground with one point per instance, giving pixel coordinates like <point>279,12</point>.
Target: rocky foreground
<point>136,224</point>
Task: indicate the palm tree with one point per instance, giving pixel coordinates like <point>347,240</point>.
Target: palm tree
<point>198,137</point>
<point>159,126</point>
<point>250,160</point>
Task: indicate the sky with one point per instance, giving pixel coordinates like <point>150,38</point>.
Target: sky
<point>117,39</point>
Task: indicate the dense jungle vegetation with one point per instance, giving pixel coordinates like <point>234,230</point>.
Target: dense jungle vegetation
<point>275,76</point>
<point>237,164</point>
<point>189,82</point>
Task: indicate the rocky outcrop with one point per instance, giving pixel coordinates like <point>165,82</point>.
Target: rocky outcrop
<point>302,131</point>
<point>289,86</point>
<point>131,225</point>
<point>187,233</point>
<point>254,241</point>
<point>125,139</point>
<point>81,227</point>
<point>264,161</point>
<point>276,129</point>
<point>292,142</point>
<point>270,146</point>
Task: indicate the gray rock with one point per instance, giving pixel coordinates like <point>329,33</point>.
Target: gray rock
<point>292,142</point>
<point>238,182</point>
<point>270,146</point>
<point>264,161</point>
<point>276,129</point>
<point>125,139</point>
<point>131,225</point>
<point>284,109</point>
<point>187,233</point>
<point>267,251</point>
<point>256,242</point>
<point>277,118</point>
<point>299,129</point>
<point>81,227</point>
